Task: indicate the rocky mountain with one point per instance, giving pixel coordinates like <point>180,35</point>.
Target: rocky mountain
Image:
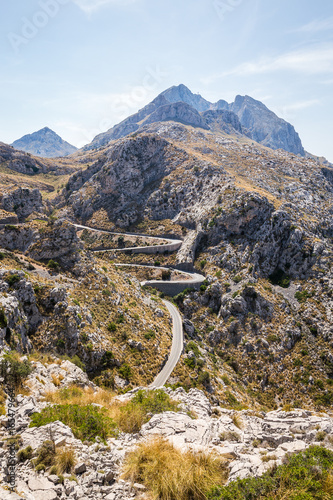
<point>257,222</point>
<point>44,143</point>
<point>181,93</point>
<point>81,250</point>
<point>178,103</point>
<point>265,127</point>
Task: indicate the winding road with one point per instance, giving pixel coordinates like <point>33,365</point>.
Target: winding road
<point>193,280</point>
<point>176,347</point>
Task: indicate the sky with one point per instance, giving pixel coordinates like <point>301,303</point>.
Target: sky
<point>81,66</point>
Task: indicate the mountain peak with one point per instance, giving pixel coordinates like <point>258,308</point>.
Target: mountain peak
<point>181,93</point>
<point>45,129</point>
<point>246,115</point>
<point>44,142</point>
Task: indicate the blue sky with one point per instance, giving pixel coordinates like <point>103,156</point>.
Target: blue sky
<point>80,66</point>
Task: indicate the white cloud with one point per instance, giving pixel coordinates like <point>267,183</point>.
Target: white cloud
<point>316,26</point>
<point>289,111</point>
<point>298,106</point>
<point>89,6</point>
<point>308,61</point>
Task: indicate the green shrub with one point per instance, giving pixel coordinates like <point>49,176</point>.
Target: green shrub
<point>24,454</point>
<point>166,275</point>
<point>233,401</point>
<point>45,455</point>
<point>302,296</point>
<point>13,370</point>
<point>190,362</point>
<point>305,476</point>
<point>139,410</point>
<point>53,265</point>
<point>181,296</point>
<point>226,379</point>
<point>107,359</point>
<point>40,468</point>
<point>112,327</point>
<point>121,242</point>
<point>320,436</point>
<point>154,402</point>
<point>125,371</point>
<point>192,346</point>
<point>86,422</point>
<point>237,279</point>
<point>150,334</point>
<point>120,319</point>
<point>325,399</point>
<point>280,278</point>
<point>61,343</point>
<point>3,319</point>
<point>12,279</point>
<point>204,378</point>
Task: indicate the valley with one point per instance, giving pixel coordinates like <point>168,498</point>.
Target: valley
<point>189,249</point>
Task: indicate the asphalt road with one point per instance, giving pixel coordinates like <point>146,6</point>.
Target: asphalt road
<point>177,328</point>
<point>176,348</point>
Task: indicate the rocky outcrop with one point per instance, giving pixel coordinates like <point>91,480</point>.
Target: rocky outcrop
<point>60,241</point>
<point>180,93</point>
<point>265,127</point>
<point>45,143</point>
<point>224,120</point>
<point>253,442</point>
<point>21,316</point>
<point>56,241</point>
<point>23,202</point>
<point>132,169</point>
<point>179,112</point>
<point>8,217</point>
<point>22,163</point>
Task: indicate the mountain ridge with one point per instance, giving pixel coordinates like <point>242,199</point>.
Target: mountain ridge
<point>44,143</point>
<point>256,120</point>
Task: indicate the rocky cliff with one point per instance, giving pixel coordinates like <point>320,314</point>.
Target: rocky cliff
<point>265,127</point>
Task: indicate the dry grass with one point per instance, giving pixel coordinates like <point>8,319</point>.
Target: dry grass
<point>64,460</point>
<point>237,421</point>
<point>44,358</point>
<point>78,396</point>
<point>57,380</point>
<point>170,474</point>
